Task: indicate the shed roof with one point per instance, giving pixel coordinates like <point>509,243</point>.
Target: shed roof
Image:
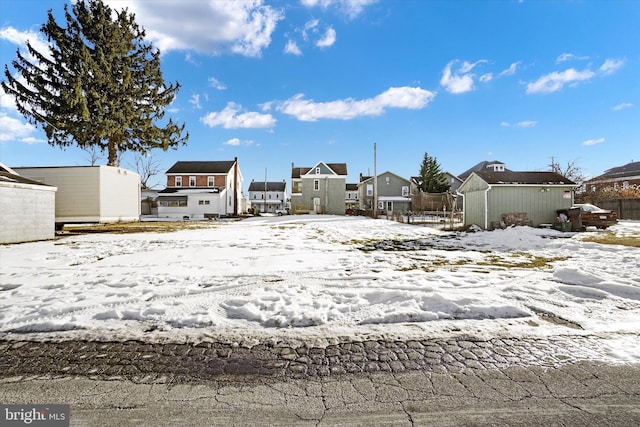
<point>510,177</point>
<point>201,167</point>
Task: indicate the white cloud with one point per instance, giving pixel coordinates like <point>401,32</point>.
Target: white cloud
<point>351,8</point>
<point>593,141</point>
<point>526,124</point>
<point>19,38</point>
<point>328,39</point>
<point>522,124</point>
<point>622,106</point>
<point>570,57</point>
<point>206,26</point>
<point>511,70</point>
<point>460,80</point>
<point>216,84</point>
<point>346,109</point>
<point>292,48</point>
<point>553,82</point>
<point>12,129</point>
<point>237,142</point>
<point>610,66</point>
<point>230,119</point>
<point>195,101</point>
<point>486,77</point>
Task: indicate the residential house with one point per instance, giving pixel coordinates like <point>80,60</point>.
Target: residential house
<point>27,208</point>
<point>320,189</point>
<point>620,177</point>
<point>484,166</point>
<point>351,198</point>
<point>493,199</point>
<point>90,194</point>
<point>201,190</point>
<point>268,196</point>
<point>392,193</point>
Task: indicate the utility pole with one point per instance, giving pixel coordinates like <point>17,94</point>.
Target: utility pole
<point>375,184</point>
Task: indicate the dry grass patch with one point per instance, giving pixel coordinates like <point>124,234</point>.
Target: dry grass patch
<point>137,227</point>
<point>612,239</point>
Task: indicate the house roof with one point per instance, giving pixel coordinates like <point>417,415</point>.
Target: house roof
<point>628,170</point>
<point>510,177</point>
<point>338,168</point>
<point>484,165</point>
<point>351,187</point>
<point>298,172</point>
<point>270,186</point>
<point>201,167</point>
<point>367,178</point>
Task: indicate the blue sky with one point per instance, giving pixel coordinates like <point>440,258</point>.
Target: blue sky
<point>281,82</point>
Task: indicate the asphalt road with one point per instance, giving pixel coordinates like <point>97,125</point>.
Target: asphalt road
<point>575,394</point>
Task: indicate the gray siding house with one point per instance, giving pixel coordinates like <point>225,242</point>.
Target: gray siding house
<point>320,189</point>
<point>393,193</point>
<point>492,198</point>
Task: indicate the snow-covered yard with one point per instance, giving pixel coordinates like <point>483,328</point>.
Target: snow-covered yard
<point>321,278</point>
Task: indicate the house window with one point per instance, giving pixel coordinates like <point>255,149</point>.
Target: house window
<point>209,181</point>
<point>178,181</point>
<point>255,196</point>
<point>317,171</point>
<point>593,188</point>
<point>387,180</point>
<point>204,202</point>
<point>192,181</point>
<point>615,185</point>
<point>316,185</point>
<point>405,191</point>
<point>369,190</point>
<point>625,184</point>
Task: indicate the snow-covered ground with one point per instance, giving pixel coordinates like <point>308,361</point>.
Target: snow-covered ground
<point>321,278</point>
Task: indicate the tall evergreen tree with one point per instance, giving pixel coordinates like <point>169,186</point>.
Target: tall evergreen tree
<point>432,179</point>
<point>100,85</point>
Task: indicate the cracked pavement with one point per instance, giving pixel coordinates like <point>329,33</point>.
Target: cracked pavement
<point>560,380</point>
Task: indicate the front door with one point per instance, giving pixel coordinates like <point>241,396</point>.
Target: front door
<point>316,205</point>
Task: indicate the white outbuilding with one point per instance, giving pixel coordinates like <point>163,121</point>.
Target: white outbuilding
<point>27,208</point>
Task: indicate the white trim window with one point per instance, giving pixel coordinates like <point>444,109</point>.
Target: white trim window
<point>210,181</point>
<point>178,181</point>
<point>192,181</point>
<point>405,191</point>
<point>369,190</point>
<point>316,185</point>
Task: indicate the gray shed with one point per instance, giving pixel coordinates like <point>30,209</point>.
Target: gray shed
<point>492,199</point>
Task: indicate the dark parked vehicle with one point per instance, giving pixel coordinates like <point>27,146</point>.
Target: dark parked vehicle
<point>591,215</point>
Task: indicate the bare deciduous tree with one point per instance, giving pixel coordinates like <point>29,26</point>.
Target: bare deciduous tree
<point>147,166</point>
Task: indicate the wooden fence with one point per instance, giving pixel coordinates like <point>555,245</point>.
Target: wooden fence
<point>626,208</point>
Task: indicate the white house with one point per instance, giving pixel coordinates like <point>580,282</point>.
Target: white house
<point>27,208</point>
<point>201,190</point>
<point>268,196</point>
